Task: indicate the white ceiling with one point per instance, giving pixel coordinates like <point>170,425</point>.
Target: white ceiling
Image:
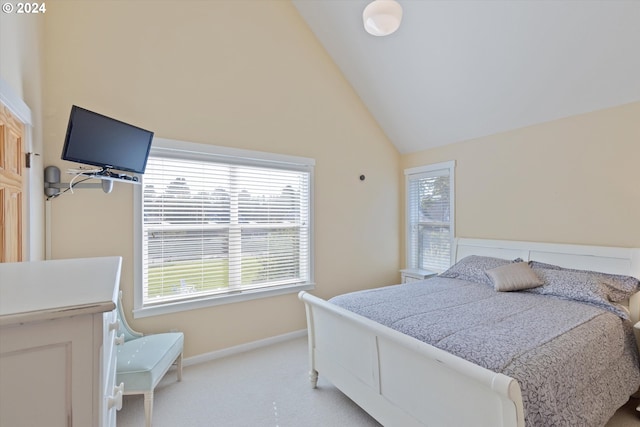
<point>457,70</point>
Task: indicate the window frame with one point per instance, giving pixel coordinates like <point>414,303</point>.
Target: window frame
<point>238,156</point>
<point>426,169</point>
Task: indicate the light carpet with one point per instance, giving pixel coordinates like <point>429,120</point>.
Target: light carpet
<point>265,387</point>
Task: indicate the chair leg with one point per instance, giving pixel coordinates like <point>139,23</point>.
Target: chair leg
<point>148,408</point>
<point>179,365</point>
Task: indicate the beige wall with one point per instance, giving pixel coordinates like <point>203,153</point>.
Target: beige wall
<point>21,56</point>
<point>242,74</point>
<point>21,68</point>
<point>573,180</point>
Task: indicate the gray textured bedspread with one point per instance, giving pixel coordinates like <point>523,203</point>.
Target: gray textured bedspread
<point>576,363</point>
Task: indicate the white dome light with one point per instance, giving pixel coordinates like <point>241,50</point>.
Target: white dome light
<point>382,17</point>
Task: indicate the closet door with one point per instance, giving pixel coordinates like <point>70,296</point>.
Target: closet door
<point>11,186</point>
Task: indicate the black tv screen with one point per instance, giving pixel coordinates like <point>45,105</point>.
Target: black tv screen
<point>98,140</point>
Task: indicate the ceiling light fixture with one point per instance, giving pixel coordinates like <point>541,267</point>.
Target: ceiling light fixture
<point>382,17</point>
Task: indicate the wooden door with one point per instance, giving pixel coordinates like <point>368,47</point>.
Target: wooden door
<point>11,185</point>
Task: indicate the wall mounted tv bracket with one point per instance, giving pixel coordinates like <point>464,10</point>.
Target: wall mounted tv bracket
<point>52,184</point>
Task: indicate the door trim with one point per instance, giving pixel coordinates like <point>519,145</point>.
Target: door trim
<point>15,104</point>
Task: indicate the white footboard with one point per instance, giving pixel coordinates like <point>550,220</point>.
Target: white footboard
<point>401,381</point>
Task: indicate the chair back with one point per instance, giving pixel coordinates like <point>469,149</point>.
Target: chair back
<point>124,328</point>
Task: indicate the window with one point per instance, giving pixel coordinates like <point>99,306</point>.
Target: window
<point>430,216</point>
<point>221,225</point>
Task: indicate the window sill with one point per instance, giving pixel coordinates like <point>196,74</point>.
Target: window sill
<point>178,306</point>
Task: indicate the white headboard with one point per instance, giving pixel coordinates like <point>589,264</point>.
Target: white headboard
<point>597,258</point>
<point>605,259</point>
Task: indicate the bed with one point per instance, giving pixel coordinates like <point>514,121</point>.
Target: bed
<point>401,380</point>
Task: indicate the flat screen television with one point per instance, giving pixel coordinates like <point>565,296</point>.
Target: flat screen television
<point>98,140</point>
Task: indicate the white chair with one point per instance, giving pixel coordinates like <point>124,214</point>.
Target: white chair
<point>144,359</point>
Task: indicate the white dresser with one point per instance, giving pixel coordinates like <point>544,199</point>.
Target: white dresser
<point>57,335</point>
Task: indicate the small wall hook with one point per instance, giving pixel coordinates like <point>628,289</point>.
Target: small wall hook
<point>362,177</point>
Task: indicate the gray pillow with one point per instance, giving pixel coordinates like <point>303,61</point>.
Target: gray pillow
<point>473,267</point>
<point>514,277</point>
<point>583,286</point>
<point>620,287</point>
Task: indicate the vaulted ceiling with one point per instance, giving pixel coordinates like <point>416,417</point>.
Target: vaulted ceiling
<point>457,70</point>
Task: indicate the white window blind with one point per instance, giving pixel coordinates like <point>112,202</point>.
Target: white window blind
<point>430,216</point>
<point>217,225</point>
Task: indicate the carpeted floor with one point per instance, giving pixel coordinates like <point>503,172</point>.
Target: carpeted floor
<point>264,387</point>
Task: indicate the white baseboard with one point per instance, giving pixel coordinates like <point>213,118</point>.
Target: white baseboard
<point>231,351</point>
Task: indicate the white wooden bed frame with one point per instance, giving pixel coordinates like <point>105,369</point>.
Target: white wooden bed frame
<point>401,381</point>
